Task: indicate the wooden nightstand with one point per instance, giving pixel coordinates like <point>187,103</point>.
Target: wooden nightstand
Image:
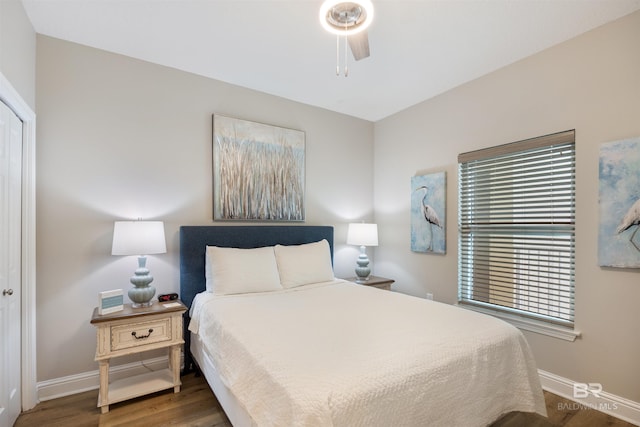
<point>134,330</point>
<point>375,281</point>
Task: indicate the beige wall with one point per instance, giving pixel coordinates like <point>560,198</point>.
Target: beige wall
<point>121,138</point>
<point>590,83</point>
<point>18,50</point>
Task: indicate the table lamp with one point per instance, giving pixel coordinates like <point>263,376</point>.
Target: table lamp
<point>140,238</point>
<point>363,235</point>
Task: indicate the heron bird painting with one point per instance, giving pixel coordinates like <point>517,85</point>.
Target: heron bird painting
<point>428,197</point>
<point>631,220</point>
<point>619,203</point>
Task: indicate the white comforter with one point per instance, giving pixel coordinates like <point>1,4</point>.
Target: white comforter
<point>340,354</point>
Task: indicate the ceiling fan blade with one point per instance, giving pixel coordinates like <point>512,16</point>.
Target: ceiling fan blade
<point>359,44</point>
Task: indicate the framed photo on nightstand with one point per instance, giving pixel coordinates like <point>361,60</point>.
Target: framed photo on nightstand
<point>110,301</point>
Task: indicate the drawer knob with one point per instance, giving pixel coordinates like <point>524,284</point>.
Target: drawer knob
<point>141,336</point>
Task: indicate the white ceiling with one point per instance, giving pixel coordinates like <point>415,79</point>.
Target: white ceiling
<point>419,48</point>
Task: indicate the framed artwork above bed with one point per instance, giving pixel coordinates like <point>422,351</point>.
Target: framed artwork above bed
<point>258,171</point>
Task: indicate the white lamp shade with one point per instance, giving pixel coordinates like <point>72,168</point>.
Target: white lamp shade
<point>361,234</point>
<point>138,238</point>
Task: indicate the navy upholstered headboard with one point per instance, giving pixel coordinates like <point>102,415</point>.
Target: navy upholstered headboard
<point>194,239</point>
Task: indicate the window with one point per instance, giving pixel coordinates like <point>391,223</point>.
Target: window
<point>516,220</point>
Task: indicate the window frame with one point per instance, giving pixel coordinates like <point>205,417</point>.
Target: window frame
<point>477,268</point>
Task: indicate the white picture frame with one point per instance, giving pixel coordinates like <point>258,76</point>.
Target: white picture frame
<point>110,301</point>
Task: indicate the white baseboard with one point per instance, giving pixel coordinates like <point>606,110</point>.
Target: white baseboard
<point>72,384</point>
<point>602,401</point>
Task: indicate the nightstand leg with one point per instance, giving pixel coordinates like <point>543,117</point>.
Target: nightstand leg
<point>174,365</point>
<point>103,397</point>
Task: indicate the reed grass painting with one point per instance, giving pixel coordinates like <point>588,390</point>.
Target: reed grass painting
<point>619,201</point>
<point>258,171</point>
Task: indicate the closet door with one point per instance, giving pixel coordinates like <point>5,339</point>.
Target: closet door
<point>10,264</point>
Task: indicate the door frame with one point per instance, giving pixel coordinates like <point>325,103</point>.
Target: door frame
<point>14,101</point>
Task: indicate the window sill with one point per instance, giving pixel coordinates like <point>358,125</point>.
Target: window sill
<point>526,324</point>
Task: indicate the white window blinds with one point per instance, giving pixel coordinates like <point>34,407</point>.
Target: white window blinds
<point>516,219</point>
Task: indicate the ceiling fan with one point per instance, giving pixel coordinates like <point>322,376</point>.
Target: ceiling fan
<point>349,19</point>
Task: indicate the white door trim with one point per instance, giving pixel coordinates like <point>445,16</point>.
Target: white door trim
<point>12,98</point>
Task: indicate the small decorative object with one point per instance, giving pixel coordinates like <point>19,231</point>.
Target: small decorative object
<point>140,238</point>
<point>619,202</point>
<point>363,235</point>
<point>258,171</point>
<point>428,203</point>
<point>110,301</point>
<point>167,297</point>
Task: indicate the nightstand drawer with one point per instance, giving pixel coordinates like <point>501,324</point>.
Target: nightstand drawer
<point>140,333</point>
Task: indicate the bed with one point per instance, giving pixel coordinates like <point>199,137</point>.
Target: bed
<point>313,350</point>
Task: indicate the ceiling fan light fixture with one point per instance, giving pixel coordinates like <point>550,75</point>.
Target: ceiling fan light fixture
<point>346,17</point>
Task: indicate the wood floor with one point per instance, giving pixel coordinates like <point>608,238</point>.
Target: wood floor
<point>196,406</point>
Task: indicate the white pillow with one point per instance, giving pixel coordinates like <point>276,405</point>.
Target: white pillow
<point>238,271</point>
<point>303,264</point>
